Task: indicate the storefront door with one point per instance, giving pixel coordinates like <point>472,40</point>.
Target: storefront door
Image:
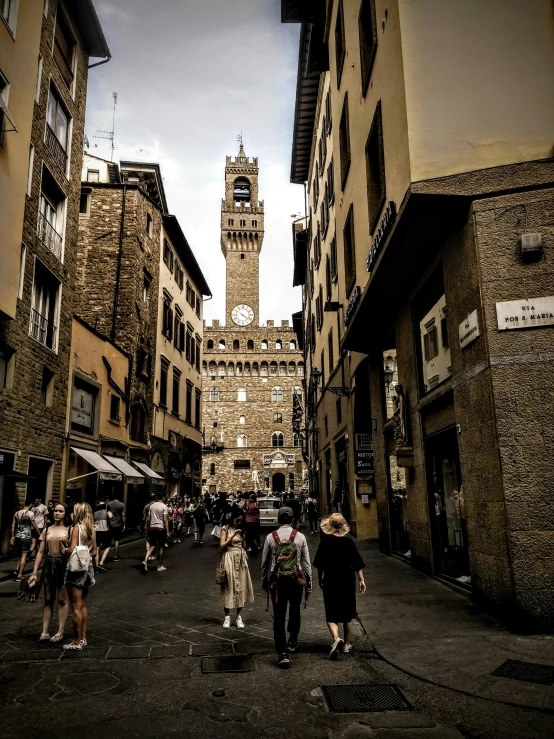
<point>398,504</point>
<point>446,506</point>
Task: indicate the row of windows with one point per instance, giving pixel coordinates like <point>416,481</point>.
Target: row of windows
<point>242,222</point>
<point>191,392</point>
<point>184,339</point>
<point>264,344</point>
<point>277,439</point>
<point>263,369</point>
<point>277,395</point>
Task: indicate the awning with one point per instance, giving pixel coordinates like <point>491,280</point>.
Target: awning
<point>132,476</point>
<point>104,469</point>
<point>155,479</point>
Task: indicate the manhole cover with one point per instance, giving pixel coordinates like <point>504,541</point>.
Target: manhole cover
<point>234,663</point>
<point>363,698</point>
<point>529,672</point>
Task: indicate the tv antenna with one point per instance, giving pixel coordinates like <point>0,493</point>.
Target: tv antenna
<point>109,135</point>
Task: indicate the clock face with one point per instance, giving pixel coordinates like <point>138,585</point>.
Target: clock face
<point>242,315</point>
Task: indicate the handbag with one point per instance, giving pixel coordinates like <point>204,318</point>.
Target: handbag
<point>79,559</point>
<point>30,594</point>
<point>216,531</point>
<point>220,574</point>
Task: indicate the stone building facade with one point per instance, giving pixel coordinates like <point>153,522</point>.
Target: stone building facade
<point>251,372</point>
<point>35,344</point>
<point>445,269</point>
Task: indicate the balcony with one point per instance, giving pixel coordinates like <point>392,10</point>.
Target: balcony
<point>42,329</point>
<point>55,148</point>
<point>49,236</point>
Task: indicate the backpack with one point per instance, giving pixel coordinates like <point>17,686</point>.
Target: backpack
<point>286,559</point>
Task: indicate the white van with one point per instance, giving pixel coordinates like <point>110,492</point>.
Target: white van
<point>269,510</point>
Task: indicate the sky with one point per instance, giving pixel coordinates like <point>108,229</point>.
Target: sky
<point>190,75</point>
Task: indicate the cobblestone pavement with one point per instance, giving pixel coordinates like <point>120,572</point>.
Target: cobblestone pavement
<point>141,674</point>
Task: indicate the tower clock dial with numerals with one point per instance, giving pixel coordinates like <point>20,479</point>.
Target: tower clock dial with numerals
<point>242,315</point>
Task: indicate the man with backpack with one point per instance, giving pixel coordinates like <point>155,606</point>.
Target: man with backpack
<point>286,571</point>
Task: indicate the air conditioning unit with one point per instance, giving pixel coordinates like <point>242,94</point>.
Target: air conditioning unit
<point>531,244</point>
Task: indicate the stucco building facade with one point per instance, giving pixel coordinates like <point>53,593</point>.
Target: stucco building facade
<point>252,373</point>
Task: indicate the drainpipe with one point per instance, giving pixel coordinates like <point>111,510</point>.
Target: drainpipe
<point>104,61</point>
<point>118,272</point>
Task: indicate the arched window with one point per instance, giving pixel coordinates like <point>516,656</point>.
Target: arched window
<point>292,346</point>
<point>241,440</point>
<point>250,345</point>
<point>282,369</point>
<point>236,345</point>
<point>241,190</point>
<point>221,370</point>
<point>264,344</point>
<point>212,468</point>
<point>213,368</point>
<point>239,368</point>
<point>300,369</point>
<point>230,369</point>
<point>297,439</point>
<point>278,344</point>
<point>204,368</point>
<point>221,344</point>
<point>277,394</point>
<point>242,419</point>
<point>264,369</point>
<point>277,418</point>
<point>210,344</point>
<point>214,394</point>
<point>247,368</point>
<point>298,392</point>
<point>273,369</point>
<point>277,438</point>
<point>255,370</point>
<point>292,369</point>
<point>241,394</point>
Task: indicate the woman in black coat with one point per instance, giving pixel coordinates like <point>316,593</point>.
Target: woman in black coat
<point>338,563</point>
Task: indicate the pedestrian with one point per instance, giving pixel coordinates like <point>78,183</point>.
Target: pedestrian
<point>102,520</point>
<point>40,512</point>
<point>50,505</point>
<point>296,505</point>
<point>178,520</point>
<point>53,540</point>
<point>312,511</point>
<point>78,582</point>
<point>23,525</point>
<point>188,516</point>
<point>158,531</point>
<point>237,589</point>
<point>286,571</point>
<point>337,497</point>
<point>117,524</point>
<point>252,513</point>
<point>199,515</point>
<point>338,563</point>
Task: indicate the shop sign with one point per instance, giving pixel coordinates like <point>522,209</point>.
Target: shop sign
<point>525,313</point>
<point>382,232</point>
<point>469,330</point>
<point>82,407</point>
<point>363,441</point>
<point>365,466</point>
<point>352,303</point>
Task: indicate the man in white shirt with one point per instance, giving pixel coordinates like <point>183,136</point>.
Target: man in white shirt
<point>157,526</point>
<point>40,512</point>
<point>284,591</point>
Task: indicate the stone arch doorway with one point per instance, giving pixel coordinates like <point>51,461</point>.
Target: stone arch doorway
<point>278,482</point>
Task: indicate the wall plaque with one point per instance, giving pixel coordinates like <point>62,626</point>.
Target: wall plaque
<point>469,330</point>
<point>525,313</point>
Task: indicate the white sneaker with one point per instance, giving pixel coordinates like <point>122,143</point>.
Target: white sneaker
<point>161,568</point>
<point>227,622</point>
<point>335,647</point>
<point>240,623</point>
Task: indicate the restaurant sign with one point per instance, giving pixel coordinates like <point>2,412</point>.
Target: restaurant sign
<point>365,464</point>
<point>525,313</point>
<point>352,303</point>
<point>382,232</point>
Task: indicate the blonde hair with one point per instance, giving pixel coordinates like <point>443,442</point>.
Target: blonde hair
<point>82,515</point>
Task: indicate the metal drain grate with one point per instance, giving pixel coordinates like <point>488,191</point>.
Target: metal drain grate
<point>364,698</point>
<point>528,672</point>
<point>234,663</point>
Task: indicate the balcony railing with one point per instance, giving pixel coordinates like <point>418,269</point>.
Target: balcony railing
<point>55,148</point>
<point>42,329</point>
<point>49,236</point>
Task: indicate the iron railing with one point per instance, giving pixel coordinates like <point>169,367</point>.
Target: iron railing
<point>49,236</point>
<point>55,148</point>
<point>42,329</point>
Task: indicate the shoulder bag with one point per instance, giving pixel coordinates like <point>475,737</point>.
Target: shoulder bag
<point>79,559</point>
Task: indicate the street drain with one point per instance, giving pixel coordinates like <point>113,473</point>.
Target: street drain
<point>528,672</point>
<point>234,663</point>
<point>364,698</point>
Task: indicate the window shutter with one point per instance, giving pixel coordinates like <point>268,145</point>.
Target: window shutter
<point>426,348</point>
<point>181,336</point>
<point>170,323</point>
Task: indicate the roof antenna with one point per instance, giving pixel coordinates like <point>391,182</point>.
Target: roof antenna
<point>110,135</point>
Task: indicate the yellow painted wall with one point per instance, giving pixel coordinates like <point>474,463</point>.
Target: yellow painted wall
<point>19,65</point>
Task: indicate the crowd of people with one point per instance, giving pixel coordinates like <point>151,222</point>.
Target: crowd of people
<point>70,548</point>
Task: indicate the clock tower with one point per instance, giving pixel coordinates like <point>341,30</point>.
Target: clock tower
<point>242,233</point>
